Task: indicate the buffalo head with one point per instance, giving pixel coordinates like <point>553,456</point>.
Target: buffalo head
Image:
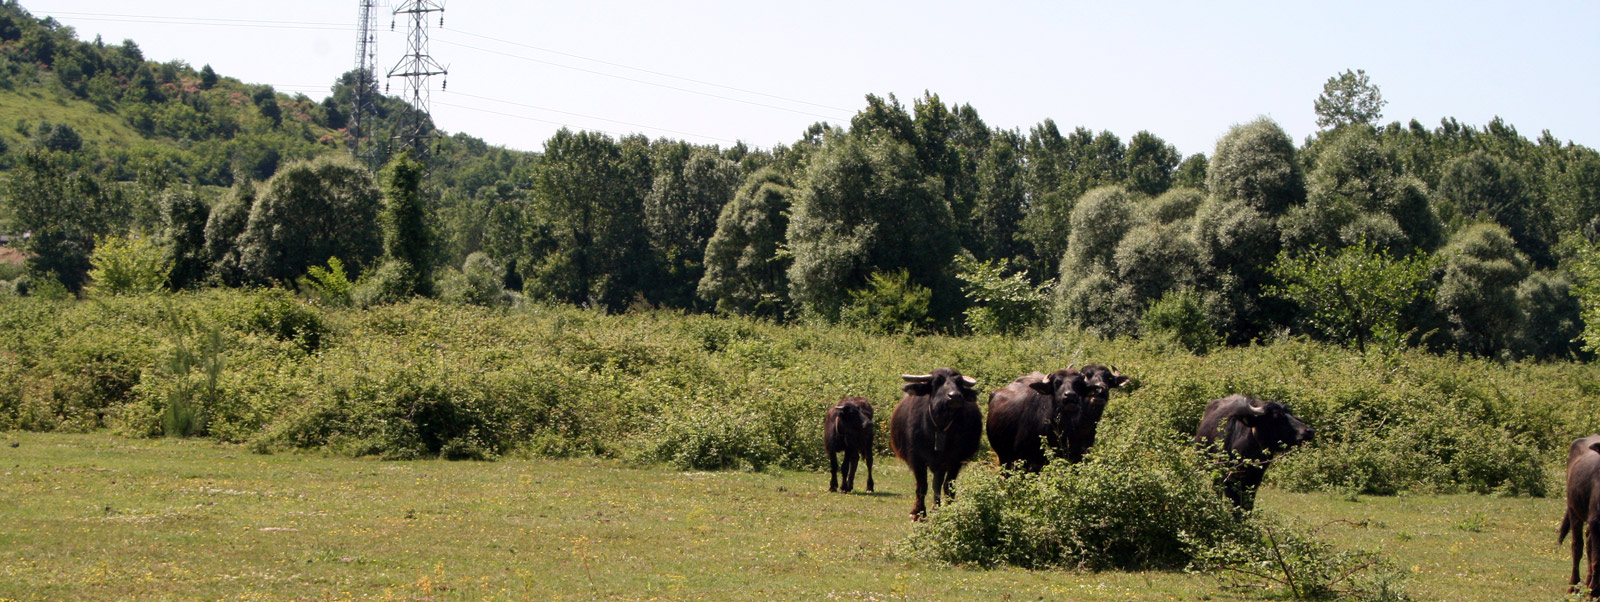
<point>1274,427</point>
<point>947,391</point>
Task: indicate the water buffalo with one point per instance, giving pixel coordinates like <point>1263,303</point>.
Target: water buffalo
<point>848,428</point>
<point>1036,412</point>
<point>1583,509</point>
<point>1251,433</point>
<point>937,427</point>
<point>1102,380</point>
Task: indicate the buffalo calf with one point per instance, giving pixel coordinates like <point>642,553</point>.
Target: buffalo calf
<point>1583,509</point>
<point>848,428</point>
<point>1251,433</point>
<point>937,427</point>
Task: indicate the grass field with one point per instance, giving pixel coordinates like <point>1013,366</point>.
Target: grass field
<point>97,517</point>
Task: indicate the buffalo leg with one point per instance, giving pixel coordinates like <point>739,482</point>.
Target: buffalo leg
<point>950,482</point>
<point>833,471</point>
<point>919,510</point>
<point>867,455</point>
<point>1577,552</point>
<point>849,470</point>
<point>939,480</point>
<point>1590,579</point>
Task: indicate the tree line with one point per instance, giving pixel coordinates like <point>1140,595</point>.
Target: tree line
<point>920,218</point>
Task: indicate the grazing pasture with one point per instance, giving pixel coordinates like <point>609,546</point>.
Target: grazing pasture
<point>100,517</point>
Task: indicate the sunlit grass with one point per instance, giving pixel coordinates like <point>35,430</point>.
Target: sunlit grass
<point>98,517</point>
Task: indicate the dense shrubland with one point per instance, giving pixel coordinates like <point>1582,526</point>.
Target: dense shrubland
<point>424,379</point>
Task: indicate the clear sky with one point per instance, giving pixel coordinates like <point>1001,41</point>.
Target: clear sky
<point>719,71</point>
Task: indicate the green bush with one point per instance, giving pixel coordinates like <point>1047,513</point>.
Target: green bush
<point>1180,317</point>
<point>1288,558</point>
<point>890,303</point>
<point>127,265</point>
<point>275,313</point>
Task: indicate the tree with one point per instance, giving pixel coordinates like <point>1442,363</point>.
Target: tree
<point>1354,294</point>
<point>1099,221</point>
<point>208,77</point>
<point>1255,163</point>
<point>1234,244</point>
<point>1349,98</point>
<point>1191,172</point>
<point>127,266</point>
<point>589,212</point>
<point>1586,274</point>
<point>680,214</point>
<point>224,225</point>
<point>1478,292</point>
<point>407,238</point>
<point>745,265</point>
<point>866,208</point>
<point>1001,201</point>
<point>65,206</point>
<point>308,212</point>
<point>1551,324</point>
<point>1001,304</point>
<point>1149,163</point>
<point>183,227</point>
<point>1483,186</point>
<point>1357,192</point>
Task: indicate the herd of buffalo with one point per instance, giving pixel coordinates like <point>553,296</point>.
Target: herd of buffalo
<point>937,427</point>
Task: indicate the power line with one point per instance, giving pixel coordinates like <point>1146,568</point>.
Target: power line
<point>639,81</point>
<point>627,123</point>
<point>631,68</point>
<point>337,26</point>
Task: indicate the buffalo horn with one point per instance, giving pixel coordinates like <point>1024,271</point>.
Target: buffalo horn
<point>1256,410</point>
<point>916,378</point>
<point>968,381</point>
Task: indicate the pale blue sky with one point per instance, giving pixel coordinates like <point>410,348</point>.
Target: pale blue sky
<point>763,71</point>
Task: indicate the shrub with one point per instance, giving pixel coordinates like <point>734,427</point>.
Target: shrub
<point>277,314</point>
<point>478,283</point>
<point>331,285</point>
<point>890,303</point>
<point>1001,304</point>
<point>124,266</point>
<point>1132,504</point>
<point>1180,317</point>
<point>1290,558</point>
<point>386,284</point>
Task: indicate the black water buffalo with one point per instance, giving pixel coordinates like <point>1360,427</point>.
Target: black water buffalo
<point>1583,509</point>
<point>1102,380</point>
<point>1251,433</point>
<point>848,428</point>
<point>936,427</point>
<point>1034,413</point>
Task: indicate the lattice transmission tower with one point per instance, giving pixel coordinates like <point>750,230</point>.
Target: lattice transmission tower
<point>361,98</point>
<point>416,68</point>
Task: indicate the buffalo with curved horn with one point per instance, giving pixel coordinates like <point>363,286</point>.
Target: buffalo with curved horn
<point>937,427</point>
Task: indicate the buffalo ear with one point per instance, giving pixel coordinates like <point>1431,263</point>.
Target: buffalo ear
<point>916,388</point>
<point>1044,387</point>
<point>1118,379</point>
<point>1595,446</point>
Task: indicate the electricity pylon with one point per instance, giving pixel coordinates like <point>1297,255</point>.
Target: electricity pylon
<point>416,67</point>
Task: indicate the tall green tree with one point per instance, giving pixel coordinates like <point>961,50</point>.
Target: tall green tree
<point>183,228</point>
<point>1255,163</point>
<point>746,267</point>
<point>1478,291</point>
<point>1482,186</point>
<point>585,206</point>
<point>308,212</point>
<point>65,206</point>
<point>407,236</point>
<point>1001,201</point>
<point>1349,98</point>
<point>1149,163</point>
<point>866,208</point>
<point>1586,275</point>
<point>680,214</point>
<point>226,222</point>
